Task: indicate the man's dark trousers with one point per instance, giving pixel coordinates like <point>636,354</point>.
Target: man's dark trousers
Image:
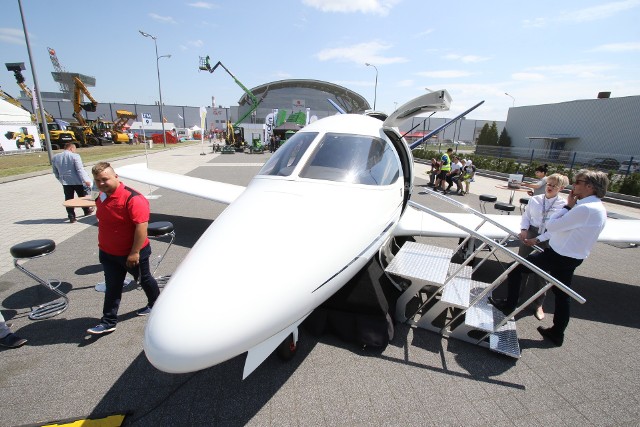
<point>115,271</point>
<point>69,191</point>
<point>559,266</point>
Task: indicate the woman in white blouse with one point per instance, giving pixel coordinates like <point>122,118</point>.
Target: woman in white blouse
<point>537,212</point>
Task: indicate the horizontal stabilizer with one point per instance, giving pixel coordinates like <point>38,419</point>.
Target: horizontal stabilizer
<point>210,190</point>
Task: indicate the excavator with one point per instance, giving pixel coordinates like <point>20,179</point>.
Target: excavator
<point>89,132</point>
<point>58,135</point>
<point>235,134</point>
<point>118,133</point>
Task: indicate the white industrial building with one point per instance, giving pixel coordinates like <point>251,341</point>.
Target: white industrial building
<point>608,127</point>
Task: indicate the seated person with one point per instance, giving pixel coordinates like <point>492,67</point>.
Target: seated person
<point>454,175</point>
<point>468,172</point>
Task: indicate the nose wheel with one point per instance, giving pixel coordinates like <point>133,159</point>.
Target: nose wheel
<point>288,348</point>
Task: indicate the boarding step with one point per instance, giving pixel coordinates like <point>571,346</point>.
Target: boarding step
<point>425,264</point>
<point>484,316</point>
<point>456,291</point>
<point>505,340</point>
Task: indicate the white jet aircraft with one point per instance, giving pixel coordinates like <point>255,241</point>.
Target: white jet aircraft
<point>334,193</point>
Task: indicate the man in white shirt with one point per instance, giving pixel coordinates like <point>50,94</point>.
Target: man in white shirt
<point>571,233</point>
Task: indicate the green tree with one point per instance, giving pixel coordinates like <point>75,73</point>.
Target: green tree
<point>482,138</point>
<point>505,139</point>
<point>492,136</point>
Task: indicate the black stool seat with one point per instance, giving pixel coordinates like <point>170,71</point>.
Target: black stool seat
<point>159,228</point>
<point>488,198</point>
<point>501,206</point>
<point>32,248</point>
<point>524,200</point>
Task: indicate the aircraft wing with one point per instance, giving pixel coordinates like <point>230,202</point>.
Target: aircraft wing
<point>210,190</point>
<point>418,223</point>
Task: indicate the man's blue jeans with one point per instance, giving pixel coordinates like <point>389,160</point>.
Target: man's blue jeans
<point>115,271</point>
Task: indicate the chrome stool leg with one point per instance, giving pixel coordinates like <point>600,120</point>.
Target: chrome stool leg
<point>36,249</point>
<point>160,230</point>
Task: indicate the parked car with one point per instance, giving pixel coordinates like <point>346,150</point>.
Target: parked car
<point>603,163</point>
<point>624,167</point>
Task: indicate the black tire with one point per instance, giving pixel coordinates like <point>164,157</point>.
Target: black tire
<point>93,141</point>
<point>287,349</point>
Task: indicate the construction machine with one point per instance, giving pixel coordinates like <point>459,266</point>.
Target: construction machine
<point>21,137</point>
<point>118,134</point>
<point>58,135</point>
<point>235,134</point>
<point>87,132</point>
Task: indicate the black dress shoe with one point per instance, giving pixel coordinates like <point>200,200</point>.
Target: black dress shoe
<point>551,335</point>
<point>497,302</point>
<point>12,341</point>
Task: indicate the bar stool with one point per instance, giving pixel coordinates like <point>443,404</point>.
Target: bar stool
<point>35,249</point>
<point>524,201</point>
<point>160,230</point>
<point>504,207</point>
<point>484,198</point>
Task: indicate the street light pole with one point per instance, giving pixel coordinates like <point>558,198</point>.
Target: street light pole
<point>513,104</point>
<point>45,129</point>
<point>375,90</point>
<point>164,135</point>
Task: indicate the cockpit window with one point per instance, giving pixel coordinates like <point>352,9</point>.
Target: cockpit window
<point>355,159</point>
<point>285,159</point>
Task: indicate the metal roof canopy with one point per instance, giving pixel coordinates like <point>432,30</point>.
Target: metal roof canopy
<point>554,137</point>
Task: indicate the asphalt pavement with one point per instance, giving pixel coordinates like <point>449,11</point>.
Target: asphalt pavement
<point>420,378</point>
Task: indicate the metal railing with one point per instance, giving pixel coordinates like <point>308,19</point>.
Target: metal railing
<point>495,247</point>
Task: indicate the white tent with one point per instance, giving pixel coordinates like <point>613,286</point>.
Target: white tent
<point>9,113</point>
<point>14,120</point>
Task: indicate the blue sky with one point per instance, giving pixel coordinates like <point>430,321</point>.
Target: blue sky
<point>538,52</point>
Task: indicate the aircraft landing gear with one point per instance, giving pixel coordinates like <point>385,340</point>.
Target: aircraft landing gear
<point>288,348</point>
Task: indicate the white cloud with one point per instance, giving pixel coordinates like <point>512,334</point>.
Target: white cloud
<point>588,14</point>
<point>282,75</point>
<point>581,71</point>
<point>424,33</point>
<point>195,43</point>
<point>618,47</point>
<point>203,5</point>
<point>535,23</point>
<point>360,54</point>
<point>444,74</point>
<point>162,19</point>
<point>378,7</point>
<point>527,76</point>
<point>405,83</point>
<point>602,11</point>
<point>467,59</point>
<point>12,36</point>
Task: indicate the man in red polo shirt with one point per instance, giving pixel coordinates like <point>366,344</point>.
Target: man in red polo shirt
<point>123,216</point>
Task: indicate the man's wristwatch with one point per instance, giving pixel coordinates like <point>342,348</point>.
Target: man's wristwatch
<point>567,207</point>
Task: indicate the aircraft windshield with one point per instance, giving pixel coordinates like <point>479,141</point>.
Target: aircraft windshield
<point>285,159</point>
<point>355,159</point>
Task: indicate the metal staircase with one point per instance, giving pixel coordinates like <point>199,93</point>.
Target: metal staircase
<point>441,296</point>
